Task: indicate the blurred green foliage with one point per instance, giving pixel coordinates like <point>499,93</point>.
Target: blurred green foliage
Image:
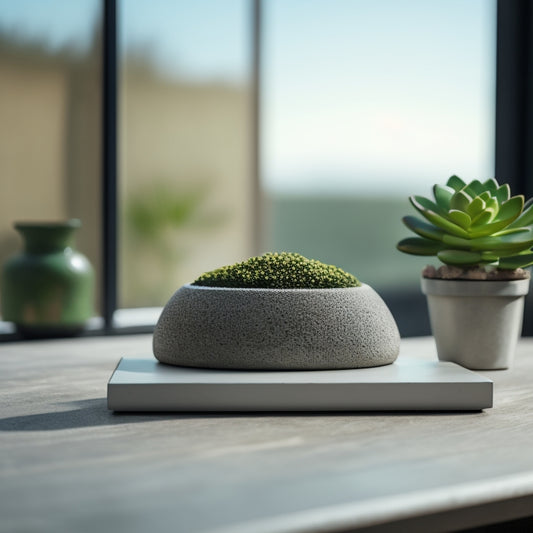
<point>156,207</point>
<point>160,221</point>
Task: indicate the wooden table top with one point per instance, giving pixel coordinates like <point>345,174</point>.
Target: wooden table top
<point>69,464</point>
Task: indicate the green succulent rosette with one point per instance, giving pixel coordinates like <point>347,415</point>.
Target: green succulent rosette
<point>472,224</point>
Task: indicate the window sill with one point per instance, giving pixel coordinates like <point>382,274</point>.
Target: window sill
<point>125,321</point>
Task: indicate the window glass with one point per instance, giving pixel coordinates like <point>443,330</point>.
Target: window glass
<point>50,96</point>
<point>185,143</point>
<point>363,104</point>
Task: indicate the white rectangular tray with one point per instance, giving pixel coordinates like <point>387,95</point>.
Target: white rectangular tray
<point>407,384</point>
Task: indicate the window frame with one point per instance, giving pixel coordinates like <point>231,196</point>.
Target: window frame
<point>130,320</point>
<point>514,106</point>
<point>513,137</point>
<point>109,162</point>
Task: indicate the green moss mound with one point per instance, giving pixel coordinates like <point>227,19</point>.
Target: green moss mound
<point>279,271</point>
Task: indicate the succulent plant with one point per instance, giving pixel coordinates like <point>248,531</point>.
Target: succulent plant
<point>472,225</point>
<point>279,271</point>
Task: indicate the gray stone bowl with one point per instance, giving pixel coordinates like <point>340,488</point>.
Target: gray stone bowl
<point>276,329</point>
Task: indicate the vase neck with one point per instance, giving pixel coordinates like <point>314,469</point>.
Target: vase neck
<point>48,237</point>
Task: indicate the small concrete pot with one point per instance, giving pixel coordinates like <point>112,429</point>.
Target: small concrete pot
<point>276,329</point>
<point>476,324</point>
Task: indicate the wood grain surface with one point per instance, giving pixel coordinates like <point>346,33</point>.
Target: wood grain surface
<point>69,464</point>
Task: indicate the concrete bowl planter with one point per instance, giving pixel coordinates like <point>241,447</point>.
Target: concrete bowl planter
<point>276,329</point>
<point>476,323</point>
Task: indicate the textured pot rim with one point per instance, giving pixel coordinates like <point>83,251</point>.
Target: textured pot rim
<point>276,329</point>
<point>261,290</point>
<point>460,287</point>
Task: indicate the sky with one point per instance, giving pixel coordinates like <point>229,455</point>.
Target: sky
<point>377,96</point>
<point>357,96</point>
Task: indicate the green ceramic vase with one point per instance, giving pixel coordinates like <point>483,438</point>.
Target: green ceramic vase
<point>48,288</point>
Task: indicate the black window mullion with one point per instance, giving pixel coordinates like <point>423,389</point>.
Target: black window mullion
<point>109,161</point>
<point>514,84</point>
<point>514,106</point>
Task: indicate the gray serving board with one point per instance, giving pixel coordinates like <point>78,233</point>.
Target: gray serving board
<point>406,385</point>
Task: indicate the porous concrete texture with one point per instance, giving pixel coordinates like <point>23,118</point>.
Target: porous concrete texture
<point>476,324</point>
<point>276,329</point>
